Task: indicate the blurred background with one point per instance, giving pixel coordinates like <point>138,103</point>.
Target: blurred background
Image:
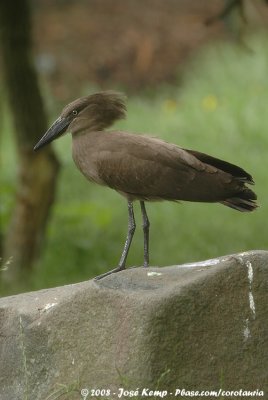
<point>195,74</point>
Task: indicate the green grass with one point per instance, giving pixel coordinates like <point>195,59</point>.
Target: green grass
<point>220,109</point>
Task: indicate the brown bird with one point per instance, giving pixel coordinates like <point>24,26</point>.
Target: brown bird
<point>144,168</point>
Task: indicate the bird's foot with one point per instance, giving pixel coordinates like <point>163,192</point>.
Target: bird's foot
<point>117,269</point>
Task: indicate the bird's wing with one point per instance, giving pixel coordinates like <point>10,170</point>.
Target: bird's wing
<point>152,169</point>
<point>225,166</point>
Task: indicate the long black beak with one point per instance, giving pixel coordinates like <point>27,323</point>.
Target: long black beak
<point>56,130</point>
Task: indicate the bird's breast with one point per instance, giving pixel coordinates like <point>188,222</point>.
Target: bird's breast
<point>85,157</point>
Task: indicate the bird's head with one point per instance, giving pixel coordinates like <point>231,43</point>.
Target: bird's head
<point>95,112</point>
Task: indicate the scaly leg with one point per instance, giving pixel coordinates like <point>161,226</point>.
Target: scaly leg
<point>146,226</point>
<point>130,234</point>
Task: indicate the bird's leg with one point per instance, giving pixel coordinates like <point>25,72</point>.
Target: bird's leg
<point>130,234</point>
<point>146,226</point>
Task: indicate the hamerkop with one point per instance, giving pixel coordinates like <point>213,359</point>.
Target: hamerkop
<point>144,168</point>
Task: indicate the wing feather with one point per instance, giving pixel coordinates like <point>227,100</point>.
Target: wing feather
<point>148,168</point>
<point>143,167</point>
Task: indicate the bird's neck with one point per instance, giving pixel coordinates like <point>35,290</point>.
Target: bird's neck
<point>82,126</point>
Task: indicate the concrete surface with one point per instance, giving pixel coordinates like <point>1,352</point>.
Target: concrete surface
<point>198,326</point>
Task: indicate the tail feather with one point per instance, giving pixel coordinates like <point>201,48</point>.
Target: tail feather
<point>244,202</point>
<point>243,199</point>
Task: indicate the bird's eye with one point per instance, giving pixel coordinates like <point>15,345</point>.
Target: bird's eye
<point>74,112</point>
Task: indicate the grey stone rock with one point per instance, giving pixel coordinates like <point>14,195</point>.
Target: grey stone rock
<point>200,326</point>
